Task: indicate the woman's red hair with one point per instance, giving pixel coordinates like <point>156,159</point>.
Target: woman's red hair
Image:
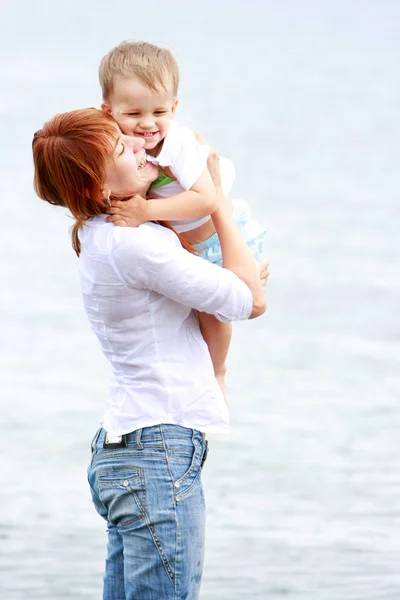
<point>70,155</point>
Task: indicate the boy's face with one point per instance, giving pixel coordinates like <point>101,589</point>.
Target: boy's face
<point>140,111</point>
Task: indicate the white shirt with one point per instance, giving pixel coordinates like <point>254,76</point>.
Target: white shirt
<point>186,159</point>
<point>139,287</point>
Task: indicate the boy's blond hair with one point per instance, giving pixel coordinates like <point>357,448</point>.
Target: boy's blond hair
<point>154,66</point>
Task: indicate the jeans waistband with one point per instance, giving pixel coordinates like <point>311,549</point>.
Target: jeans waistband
<point>207,243</point>
<point>154,433</point>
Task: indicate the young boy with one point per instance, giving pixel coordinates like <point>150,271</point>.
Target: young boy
<point>140,82</point>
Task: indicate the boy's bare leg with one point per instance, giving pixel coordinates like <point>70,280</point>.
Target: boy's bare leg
<point>217,336</point>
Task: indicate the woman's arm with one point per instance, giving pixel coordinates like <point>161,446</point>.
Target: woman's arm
<point>235,253</point>
<point>151,257</point>
<point>146,260</point>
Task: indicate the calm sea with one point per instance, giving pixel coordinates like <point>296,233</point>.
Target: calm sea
<point>304,495</point>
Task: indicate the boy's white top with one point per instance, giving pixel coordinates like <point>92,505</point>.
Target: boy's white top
<point>187,159</point>
<point>139,287</point>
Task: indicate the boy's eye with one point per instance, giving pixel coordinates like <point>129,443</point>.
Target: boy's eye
<point>160,112</point>
<point>133,114</point>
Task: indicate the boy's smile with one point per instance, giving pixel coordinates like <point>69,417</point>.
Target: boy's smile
<point>141,111</point>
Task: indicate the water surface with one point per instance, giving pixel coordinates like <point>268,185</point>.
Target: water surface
<point>304,495</point>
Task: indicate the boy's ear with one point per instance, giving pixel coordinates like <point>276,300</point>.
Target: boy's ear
<point>106,109</point>
<point>174,106</point>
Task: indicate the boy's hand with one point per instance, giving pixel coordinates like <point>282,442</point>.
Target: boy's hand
<point>128,213</point>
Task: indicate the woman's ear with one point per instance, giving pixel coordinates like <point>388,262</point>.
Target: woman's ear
<point>106,194</point>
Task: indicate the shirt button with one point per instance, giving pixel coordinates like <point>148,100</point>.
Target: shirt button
<point>126,483</point>
<point>177,484</point>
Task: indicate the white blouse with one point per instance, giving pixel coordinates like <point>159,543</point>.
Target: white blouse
<point>139,287</point>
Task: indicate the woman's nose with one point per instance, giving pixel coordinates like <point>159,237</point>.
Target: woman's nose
<point>137,144</point>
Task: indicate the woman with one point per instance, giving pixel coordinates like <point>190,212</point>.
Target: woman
<point>139,287</point>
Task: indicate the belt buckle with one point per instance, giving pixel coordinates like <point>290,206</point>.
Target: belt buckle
<point>114,441</point>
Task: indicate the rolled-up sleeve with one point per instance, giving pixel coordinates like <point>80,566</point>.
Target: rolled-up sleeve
<point>151,257</point>
<point>190,158</point>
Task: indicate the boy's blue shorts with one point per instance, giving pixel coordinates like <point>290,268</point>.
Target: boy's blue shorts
<point>253,233</point>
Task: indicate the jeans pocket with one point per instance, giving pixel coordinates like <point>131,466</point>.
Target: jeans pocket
<point>122,491</point>
<point>185,462</point>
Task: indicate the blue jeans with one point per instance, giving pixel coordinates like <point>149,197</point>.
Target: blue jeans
<point>151,495</point>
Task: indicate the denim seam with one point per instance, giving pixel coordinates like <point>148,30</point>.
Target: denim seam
<point>166,457</point>
<point>141,507</point>
<point>145,515</point>
<point>173,496</point>
<point>185,475</point>
<point>189,489</point>
<point>177,561</point>
<point>161,552</point>
<point>143,453</point>
<point>110,475</point>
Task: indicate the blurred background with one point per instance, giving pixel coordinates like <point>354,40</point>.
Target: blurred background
<point>304,495</point>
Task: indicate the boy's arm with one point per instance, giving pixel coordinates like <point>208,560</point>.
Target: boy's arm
<point>195,203</point>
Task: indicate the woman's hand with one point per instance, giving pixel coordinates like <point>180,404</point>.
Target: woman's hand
<point>224,204</point>
<point>128,213</point>
<point>213,168</point>
<point>199,137</point>
<point>263,271</point>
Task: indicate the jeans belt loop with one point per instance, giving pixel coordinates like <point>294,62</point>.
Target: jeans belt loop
<point>94,440</point>
<point>139,439</point>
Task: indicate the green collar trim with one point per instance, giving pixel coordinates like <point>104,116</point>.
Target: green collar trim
<point>161,180</point>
